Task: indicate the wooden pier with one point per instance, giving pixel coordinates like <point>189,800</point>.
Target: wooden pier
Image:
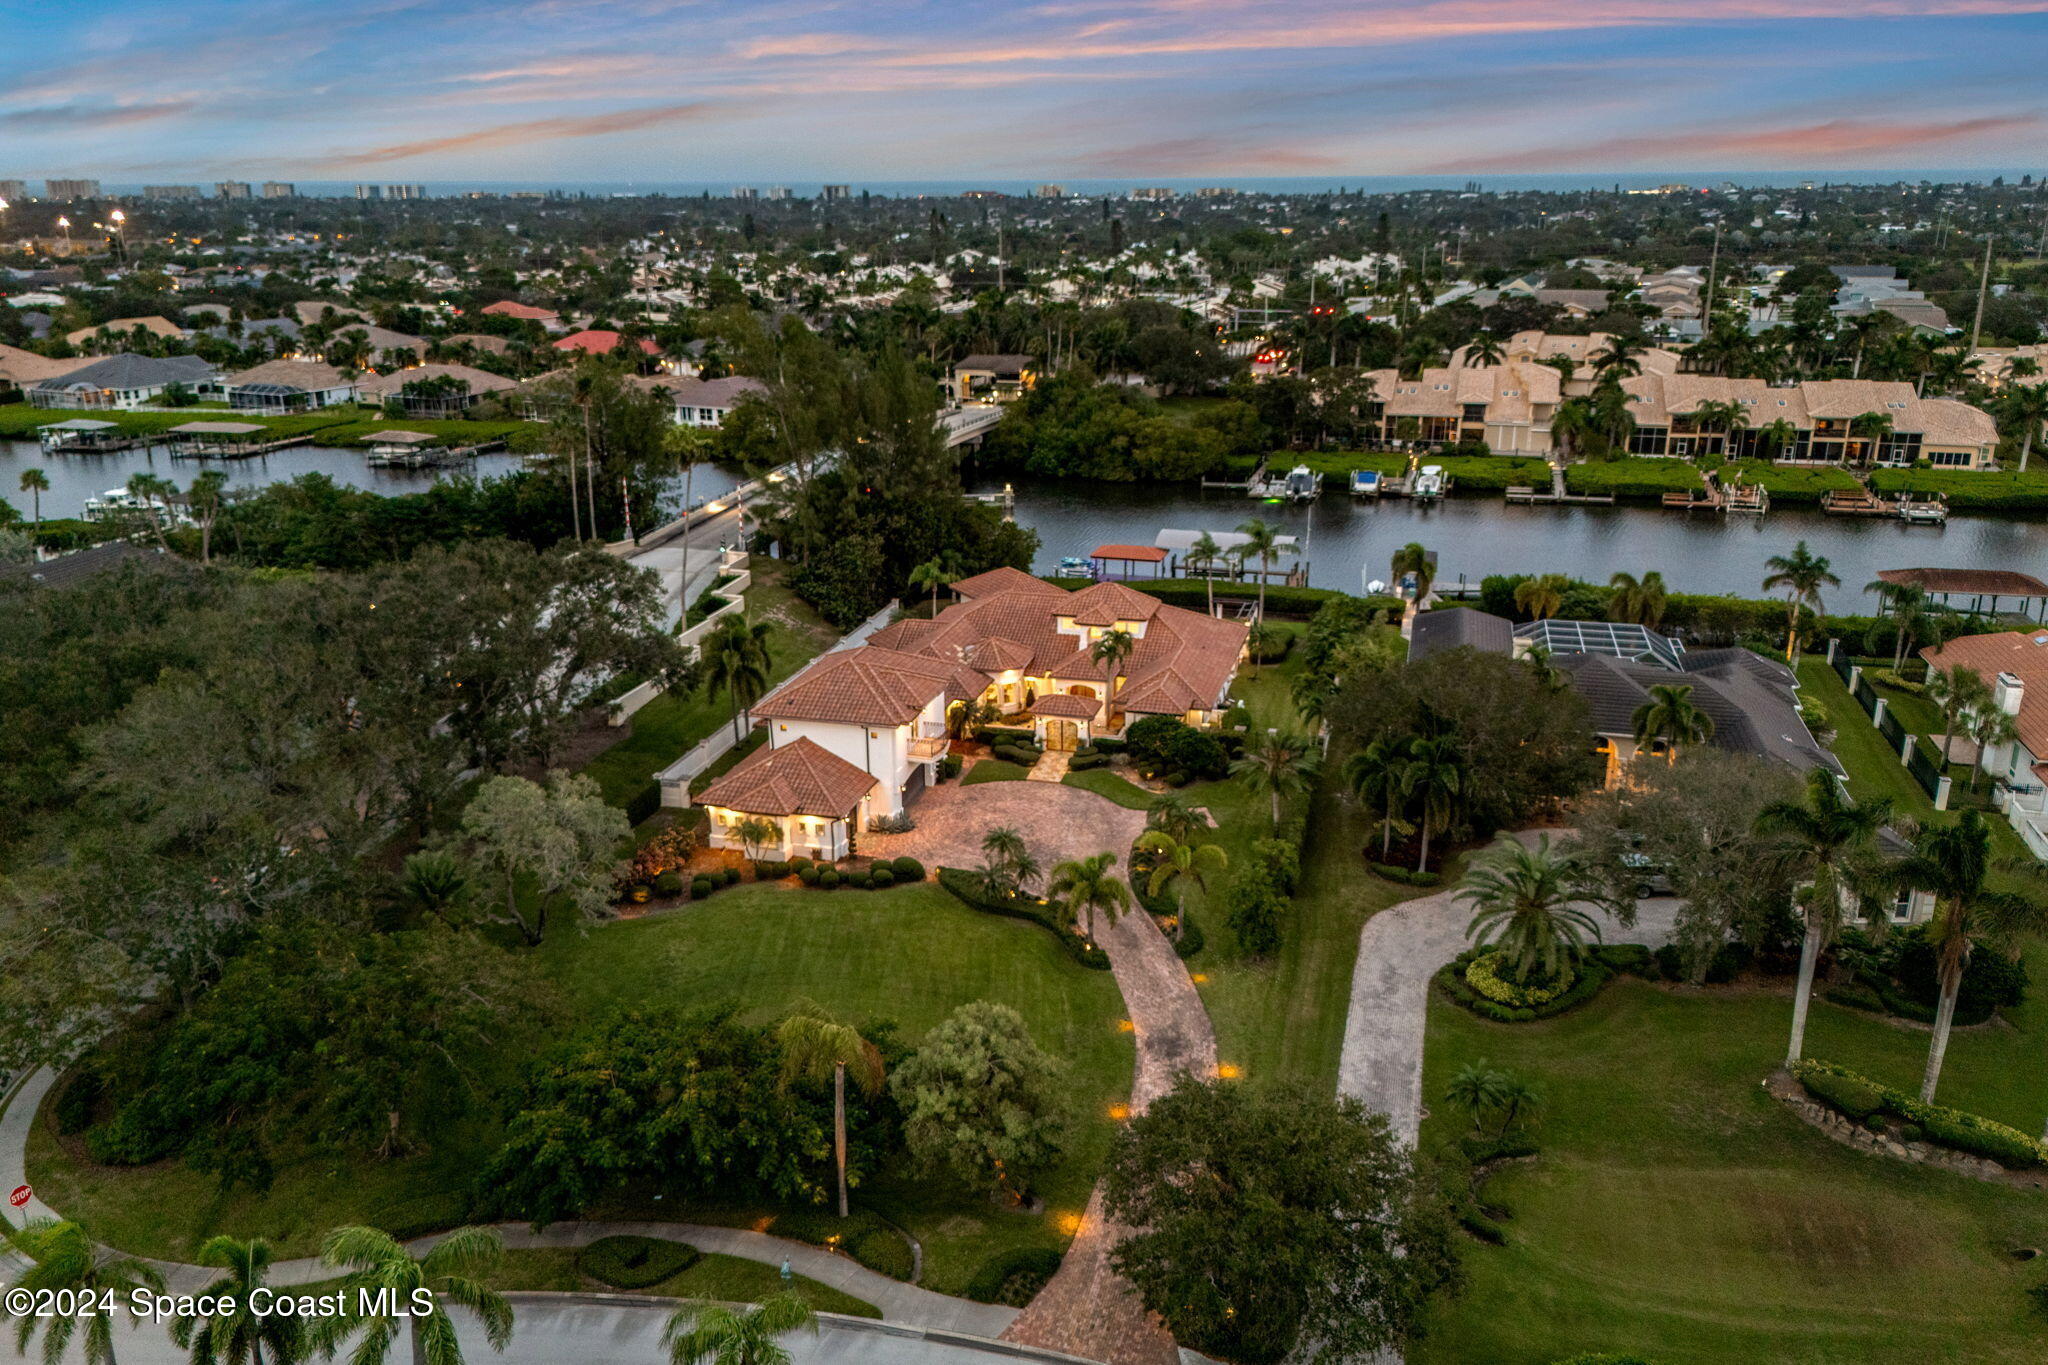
<point>1557,495</point>
<point>87,436</point>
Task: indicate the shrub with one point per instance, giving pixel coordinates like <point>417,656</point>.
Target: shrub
<point>1021,755</point>
<point>883,1250</point>
<point>700,887</point>
<point>78,1101</point>
<point>1081,763</point>
<point>643,803</point>
<point>1671,962</point>
<point>1254,907</point>
<point>908,869</point>
<point>1482,1227</point>
<point>1407,876</point>
<point>133,1137</point>
<point>949,767</point>
<point>1280,861</point>
<point>809,873</point>
<point>769,870</point>
<point>1598,1359</point>
<point>1727,963</point>
<point>1192,940</point>
<point>1633,959</point>
<point>799,863</point>
<point>892,824</point>
<point>669,884</point>
<point>1912,1132</point>
<point>1858,1097</point>
<point>1482,973</point>
<point>1013,1277</point>
<point>1005,734</point>
<point>881,878</point>
<point>1176,779</point>
<point>967,887</point>
<point>1108,744</point>
<point>1451,981</point>
<point>635,1262</point>
<point>829,879</point>
<point>1843,1091</point>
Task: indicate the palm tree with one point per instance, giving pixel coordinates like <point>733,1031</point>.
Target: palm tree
<point>1476,1089</point>
<point>933,574</point>
<point>1572,423</point>
<point>1172,816</point>
<point>1873,427</point>
<point>1007,866</point>
<point>1831,843</point>
<point>1713,414</point>
<point>155,492</point>
<point>756,833</point>
<point>1541,597</point>
<point>1276,765</point>
<point>1640,600</point>
<point>240,1337</point>
<point>714,1334</point>
<point>1110,650</point>
<point>584,394</point>
<point>1670,715</point>
<point>380,1269</point>
<point>2026,407</point>
<point>1261,538</point>
<point>1176,862</point>
<point>1484,351</point>
<point>1412,558</point>
<point>63,1258</point>
<point>1990,728</point>
<point>1433,780</point>
<point>1776,437</point>
<point>813,1043</point>
<point>1618,359</point>
<point>736,662</point>
<point>1802,574</point>
<point>35,483</point>
<point>1087,884</point>
<point>1378,773</point>
<point>1906,604</point>
<point>1954,862</point>
<point>1957,691</point>
<point>1522,904</point>
<point>1206,550</point>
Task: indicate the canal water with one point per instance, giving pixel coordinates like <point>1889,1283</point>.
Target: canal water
<point>74,478</point>
<point>1348,543</point>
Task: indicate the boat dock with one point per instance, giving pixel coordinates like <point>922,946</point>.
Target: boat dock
<point>225,441</point>
<point>1861,502</point>
<point>87,436</point>
<point>1557,495</point>
<point>1715,496</point>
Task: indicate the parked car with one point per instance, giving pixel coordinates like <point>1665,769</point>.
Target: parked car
<point>1651,879</point>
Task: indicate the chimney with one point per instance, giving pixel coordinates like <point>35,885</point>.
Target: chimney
<point>2008,692</point>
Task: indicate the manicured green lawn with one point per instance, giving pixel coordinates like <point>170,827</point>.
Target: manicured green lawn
<point>671,725</point>
<point>1678,1212</point>
<point>911,954</point>
<point>341,426</point>
<point>1987,490</point>
<point>1114,787</point>
<point>1789,483</point>
<point>1635,476</point>
<point>995,770</point>
<point>726,1279</point>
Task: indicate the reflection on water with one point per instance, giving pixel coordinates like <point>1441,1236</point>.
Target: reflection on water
<point>74,478</point>
<point>1347,542</point>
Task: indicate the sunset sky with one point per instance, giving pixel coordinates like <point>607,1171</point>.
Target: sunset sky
<point>568,90</point>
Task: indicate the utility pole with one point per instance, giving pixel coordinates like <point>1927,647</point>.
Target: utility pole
<point>1983,287</point>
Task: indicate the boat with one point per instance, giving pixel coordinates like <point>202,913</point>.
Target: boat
<point>1365,483</point>
<point>112,504</point>
<point>1430,483</point>
<point>1933,512</point>
<point>1302,484</point>
<point>1074,566</point>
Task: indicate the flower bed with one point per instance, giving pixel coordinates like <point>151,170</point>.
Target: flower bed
<point>1482,974</point>
<point>1862,1099</point>
<point>967,886</point>
<point>1594,974</point>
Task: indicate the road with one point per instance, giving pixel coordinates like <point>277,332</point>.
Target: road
<point>685,564</point>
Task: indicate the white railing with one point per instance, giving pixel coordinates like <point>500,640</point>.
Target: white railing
<point>734,594</point>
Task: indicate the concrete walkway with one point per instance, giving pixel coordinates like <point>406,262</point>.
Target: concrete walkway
<point>1051,766</point>
<point>899,1302</point>
<point>1399,950</point>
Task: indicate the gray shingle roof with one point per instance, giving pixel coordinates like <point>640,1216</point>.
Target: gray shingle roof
<point>128,371</point>
<point>1460,627</point>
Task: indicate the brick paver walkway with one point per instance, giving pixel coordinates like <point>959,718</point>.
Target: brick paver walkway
<point>1058,822</point>
<point>1051,766</point>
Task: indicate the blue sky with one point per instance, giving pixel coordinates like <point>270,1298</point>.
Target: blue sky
<point>567,90</point>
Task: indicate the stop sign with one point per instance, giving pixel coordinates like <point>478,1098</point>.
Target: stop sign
<point>22,1194</point>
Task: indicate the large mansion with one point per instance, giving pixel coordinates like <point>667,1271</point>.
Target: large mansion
<point>1511,405</point>
<point>860,731</point>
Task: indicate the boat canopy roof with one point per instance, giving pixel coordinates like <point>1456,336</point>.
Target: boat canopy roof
<point>1183,541</point>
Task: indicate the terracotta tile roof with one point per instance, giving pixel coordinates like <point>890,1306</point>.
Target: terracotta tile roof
<point>1105,604</point>
<point>801,778</point>
<point>1990,582</point>
<point>599,342</point>
<point>1005,579</point>
<point>997,655</point>
<point>869,686</point>
<point>2022,653</point>
<point>1147,554</point>
<point>307,375</point>
<point>1946,422</point>
<point>508,309</point>
<point>26,367</point>
<point>1061,704</point>
<point>479,381</point>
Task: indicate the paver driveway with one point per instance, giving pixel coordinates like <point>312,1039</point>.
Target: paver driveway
<point>1058,822</point>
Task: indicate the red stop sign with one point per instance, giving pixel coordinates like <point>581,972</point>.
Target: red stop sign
<point>22,1194</point>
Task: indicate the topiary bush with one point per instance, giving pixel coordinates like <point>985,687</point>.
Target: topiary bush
<point>949,767</point>
<point>883,1250</point>
<point>669,884</point>
<point>809,874</point>
<point>700,887</point>
<point>907,869</point>
<point>881,878</point>
<point>1859,1097</point>
<point>1013,1277</point>
<point>829,879</point>
<point>732,876</point>
<point>1081,763</point>
<point>635,1262</point>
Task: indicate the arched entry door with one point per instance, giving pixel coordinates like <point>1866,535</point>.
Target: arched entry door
<point>1062,736</point>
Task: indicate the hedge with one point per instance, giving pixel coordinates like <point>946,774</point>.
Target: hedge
<point>1293,603</point>
<point>1021,1272</point>
<point>1594,975</point>
<point>1407,876</point>
<point>642,804</point>
<point>1846,1092</point>
<point>967,887</point>
<point>1643,476</point>
<point>1990,490</point>
<point>863,1235</point>
<point>1791,484</point>
<point>635,1262</point>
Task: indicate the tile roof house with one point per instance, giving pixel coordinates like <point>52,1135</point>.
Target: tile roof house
<point>1822,414</point>
<point>288,386</point>
<point>383,388</point>
<point>121,328</point>
<point>813,798</point>
<point>888,708</point>
<point>2015,664</point>
<point>701,402</point>
<point>526,312</point>
<point>23,368</point>
<point>121,381</point>
<point>599,342</point>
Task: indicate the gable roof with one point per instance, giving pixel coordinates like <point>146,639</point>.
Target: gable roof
<point>1004,579</point>
<point>800,778</point>
<point>508,308</point>
<point>479,381</point>
<point>2022,653</point>
<point>26,367</point>
<point>701,393</point>
<point>130,371</point>
<point>1105,604</point>
<point>156,326</point>
<point>869,685</point>
<point>599,342</point>
<point>307,376</point>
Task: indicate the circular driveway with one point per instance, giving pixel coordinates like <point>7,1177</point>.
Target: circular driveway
<point>1058,822</point>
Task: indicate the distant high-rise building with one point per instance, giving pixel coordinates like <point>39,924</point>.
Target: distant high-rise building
<point>835,193</point>
<point>13,191</point>
<point>745,192</point>
<point>170,192</point>
<point>234,189</point>
<point>1214,192</point>
<point>778,192</point>
<point>280,189</point>
<point>71,189</point>
<point>1153,193</point>
<point>405,191</point>
<point>1050,192</point>
<point>369,191</point>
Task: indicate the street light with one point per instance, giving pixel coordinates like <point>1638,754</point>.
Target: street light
<point>117,218</point>
<point>65,223</point>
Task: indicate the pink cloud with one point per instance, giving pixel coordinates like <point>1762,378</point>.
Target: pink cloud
<point>1832,143</point>
<point>520,134</point>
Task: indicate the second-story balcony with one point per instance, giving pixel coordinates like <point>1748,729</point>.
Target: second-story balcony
<point>928,747</point>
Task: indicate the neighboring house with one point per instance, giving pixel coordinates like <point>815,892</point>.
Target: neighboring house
<point>525,312</point>
<point>288,386</point>
<point>20,369</point>
<point>1574,303</point>
<point>446,401</point>
<point>69,570</point>
<point>1508,406</point>
<point>2015,665</point>
<point>280,333</point>
<point>121,328</point>
<point>1821,412</point>
<point>702,402</point>
<point>1460,628</point>
<point>379,340</point>
<point>600,342</point>
<point>121,381</point>
<point>312,310</point>
<point>886,710</point>
<point>1530,346</point>
<point>480,341</point>
<point>993,378</point>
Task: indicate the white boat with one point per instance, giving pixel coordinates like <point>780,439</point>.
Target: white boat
<point>115,502</point>
<point>1430,483</point>
<point>1934,513</point>
<point>1074,566</point>
<point>1365,483</point>
<point>1302,484</point>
